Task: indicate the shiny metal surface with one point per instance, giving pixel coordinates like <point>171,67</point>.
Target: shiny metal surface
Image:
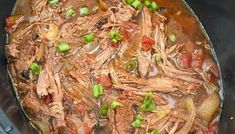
<point>219,21</point>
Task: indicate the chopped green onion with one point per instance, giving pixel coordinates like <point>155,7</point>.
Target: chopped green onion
<point>130,65</point>
<point>115,36</point>
<point>148,104</point>
<point>84,11</point>
<point>97,90</point>
<point>115,104</point>
<point>89,38</point>
<point>172,37</point>
<point>154,6</point>
<point>158,58</point>
<point>70,12</point>
<point>35,68</point>
<point>137,121</point>
<point>155,131</point>
<point>147,3</point>
<point>63,47</point>
<point>53,2</point>
<point>137,4</point>
<point>151,5</point>
<point>114,40</point>
<point>129,2</point>
<point>104,110</point>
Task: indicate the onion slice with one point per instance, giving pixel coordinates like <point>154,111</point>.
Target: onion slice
<point>190,107</point>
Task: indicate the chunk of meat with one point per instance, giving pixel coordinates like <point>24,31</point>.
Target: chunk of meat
<point>43,84</point>
<point>89,23</point>
<point>124,13</point>
<point>102,57</point>
<point>33,105</point>
<point>56,107</point>
<point>144,58</point>
<point>12,51</point>
<point>120,119</point>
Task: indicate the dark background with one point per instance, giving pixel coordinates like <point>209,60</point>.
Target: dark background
<point>218,18</point>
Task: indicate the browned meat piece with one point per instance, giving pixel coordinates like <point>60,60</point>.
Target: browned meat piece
<point>120,119</point>
<point>43,84</point>
<point>78,77</point>
<point>144,57</point>
<point>160,38</point>
<point>90,22</point>
<point>124,13</point>
<point>37,5</point>
<point>119,75</point>
<point>56,107</point>
<point>102,57</point>
<point>12,51</point>
<point>34,106</point>
<point>144,60</point>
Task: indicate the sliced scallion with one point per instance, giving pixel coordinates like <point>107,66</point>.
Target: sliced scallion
<point>158,58</point>
<point>35,68</point>
<point>154,6</point>
<point>130,65</point>
<point>63,47</point>
<point>148,104</point>
<point>172,37</point>
<point>155,131</point>
<point>137,121</point>
<point>147,3</point>
<point>115,104</point>
<point>129,2</point>
<point>137,4</point>
<point>97,90</point>
<point>89,38</point>
<point>104,110</point>
<point>53,2</point>
<point>115,36</point>
<point>70,12</point>
<point>84,11</point>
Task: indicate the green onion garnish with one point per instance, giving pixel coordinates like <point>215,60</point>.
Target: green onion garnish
<point>130,65</point>
<point>137,4</point>
<point>137,121</point>
<point>115,104</point>
<point>151,5</point>
<point>155,131</point>
<point>97,90</point>
<point>63,47</point>
<point>104,110</point>
<point>35,68</point>
<point>70,12</point>
<point>115,36</point>
<point>148,104</point>
<point>172,37</point>
<point>53,2</point>
<point>84,11</point>
<point>129,2</point>
<point>154,6</point>
<point>147,3</point>
<point>89,38</point>
<point>158,58</point>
